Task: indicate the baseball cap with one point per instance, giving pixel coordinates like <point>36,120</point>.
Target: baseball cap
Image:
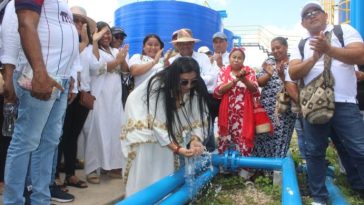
<point>219,35</point>
<point>310,5</point>
<point>116,30</point>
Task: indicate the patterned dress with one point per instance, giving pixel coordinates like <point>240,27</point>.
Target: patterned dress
<point>235,112</point>
<point>277,145</point>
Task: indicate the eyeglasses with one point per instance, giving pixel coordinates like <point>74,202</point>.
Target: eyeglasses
<point>311,14</point>
<point>192,82</point>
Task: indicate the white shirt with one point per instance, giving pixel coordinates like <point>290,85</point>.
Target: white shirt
<point>58,36</point>
<point>344,74</point>
<point>143,59</point>
<point>208,72</point>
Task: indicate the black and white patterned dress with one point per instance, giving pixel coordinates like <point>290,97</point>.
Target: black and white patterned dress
<point>266,145</point>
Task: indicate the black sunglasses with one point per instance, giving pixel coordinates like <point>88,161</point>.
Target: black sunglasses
<point>311,14</point>
<point>192,82</point>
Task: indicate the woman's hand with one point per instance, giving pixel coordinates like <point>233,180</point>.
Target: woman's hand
<point>280,69</point>
<point>197,147</point>
<point>166,57</point>
<point>157,56</point>
<point>98,34</point>
<point>122,53</point>
<point>268,68</point>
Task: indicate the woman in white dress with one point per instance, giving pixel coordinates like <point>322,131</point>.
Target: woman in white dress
<point>170,119</point>
<point>143,66</point>
<point>103,125</point>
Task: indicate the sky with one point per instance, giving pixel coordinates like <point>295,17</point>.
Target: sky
<point>279,17</point>
<point>283,14</point>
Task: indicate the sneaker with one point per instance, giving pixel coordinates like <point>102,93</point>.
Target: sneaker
<point>60,196</point>
<point>317,203</point>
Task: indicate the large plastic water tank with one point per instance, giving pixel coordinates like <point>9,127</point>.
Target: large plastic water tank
<point>163,18</point>
<point>230,40</point>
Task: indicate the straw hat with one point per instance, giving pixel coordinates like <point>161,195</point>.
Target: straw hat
<point>80,12</point>
<point>184,35</point>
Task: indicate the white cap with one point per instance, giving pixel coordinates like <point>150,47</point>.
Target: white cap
<point>310,5</point>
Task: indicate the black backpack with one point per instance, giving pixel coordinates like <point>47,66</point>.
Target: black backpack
<point>338,31</point>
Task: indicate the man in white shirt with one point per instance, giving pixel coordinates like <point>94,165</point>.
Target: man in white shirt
<point>221,55</point>
<point>346,127</point>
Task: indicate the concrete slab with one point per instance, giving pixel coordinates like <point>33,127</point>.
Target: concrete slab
<point>107,192</point>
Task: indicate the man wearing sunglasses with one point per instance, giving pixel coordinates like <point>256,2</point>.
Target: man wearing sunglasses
<point>346,127</point>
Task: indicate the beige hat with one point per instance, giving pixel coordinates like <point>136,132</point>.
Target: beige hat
<point>184,35</point>
<point>81,13</point>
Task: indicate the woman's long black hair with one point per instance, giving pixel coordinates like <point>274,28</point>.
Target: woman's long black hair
<point>169,87</point>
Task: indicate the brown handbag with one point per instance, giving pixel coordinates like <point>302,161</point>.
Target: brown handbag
<point>87,100</point>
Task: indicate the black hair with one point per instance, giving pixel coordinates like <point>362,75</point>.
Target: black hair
<point>166,83</point>
<point>281,40</point>
<point>147,37</point>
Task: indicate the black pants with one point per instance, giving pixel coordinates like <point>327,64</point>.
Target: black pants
<point>4,142</point>
<point>75,118</point>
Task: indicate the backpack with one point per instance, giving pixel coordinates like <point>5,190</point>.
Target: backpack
<point>338,31</point>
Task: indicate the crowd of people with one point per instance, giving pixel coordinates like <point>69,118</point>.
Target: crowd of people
<point>79,93</point>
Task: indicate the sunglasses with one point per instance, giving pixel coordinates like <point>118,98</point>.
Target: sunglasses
<point>192,82</point>
<point>311,14</point>
<point>119,37</point>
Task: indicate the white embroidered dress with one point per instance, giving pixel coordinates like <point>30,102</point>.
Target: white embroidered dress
<point>148,159</point>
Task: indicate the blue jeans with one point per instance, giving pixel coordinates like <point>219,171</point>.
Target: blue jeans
<point>346,129</point>
<point>35,139</point>
<point>298,126</point>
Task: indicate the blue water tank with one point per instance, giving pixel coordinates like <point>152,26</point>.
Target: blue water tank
<point>344,11</point>
<point>357,15</point>
<point>163,18</point>
<point>230,39</point>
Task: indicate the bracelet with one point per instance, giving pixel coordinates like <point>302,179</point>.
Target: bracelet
<point>176,151</point>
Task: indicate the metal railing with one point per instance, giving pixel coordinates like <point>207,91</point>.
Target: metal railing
<point>259,36</point>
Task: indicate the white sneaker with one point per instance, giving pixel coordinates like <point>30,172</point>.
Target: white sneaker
<point>317,203</point>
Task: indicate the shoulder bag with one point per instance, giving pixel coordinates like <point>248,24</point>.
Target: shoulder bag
<point>317,98</point>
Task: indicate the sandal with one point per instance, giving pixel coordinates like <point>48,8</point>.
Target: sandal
<point>78,184</point>
<point>93,178</point>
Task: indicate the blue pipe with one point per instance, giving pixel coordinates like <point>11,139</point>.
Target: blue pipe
<point>290,190</point>
<point>239,40</point>
<point>186,192</point>
<point>335,194</point>
<point>251,162</point>
<point>155,192</point>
